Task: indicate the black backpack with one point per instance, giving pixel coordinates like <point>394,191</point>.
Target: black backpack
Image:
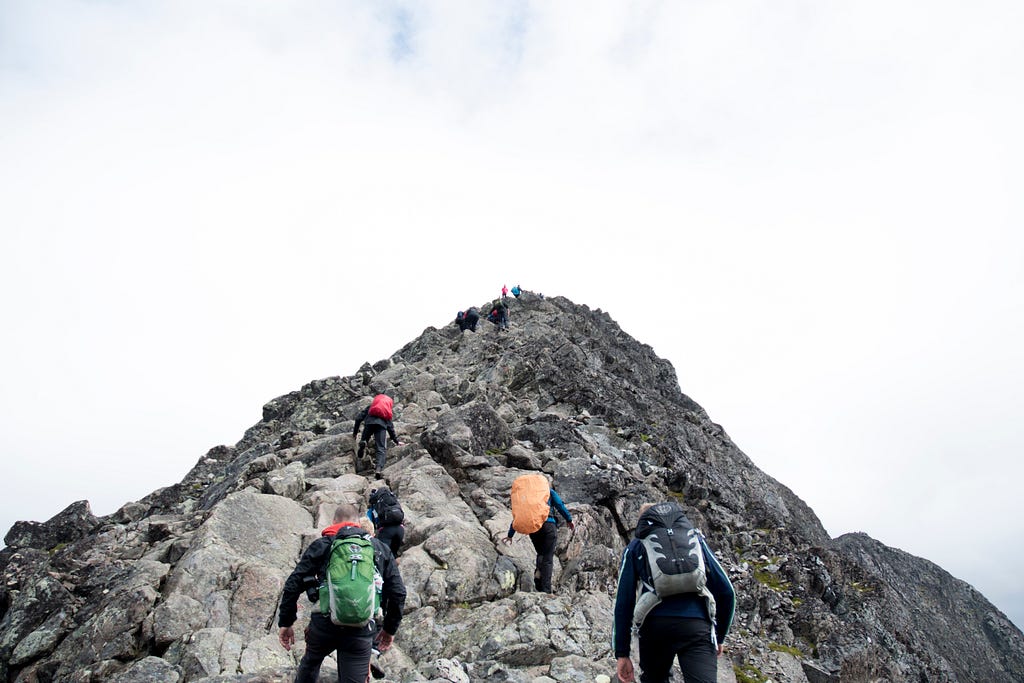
<point>385,504</point>
<point>675,558</point>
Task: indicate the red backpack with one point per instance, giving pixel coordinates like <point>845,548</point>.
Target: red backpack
<point>382,407</point>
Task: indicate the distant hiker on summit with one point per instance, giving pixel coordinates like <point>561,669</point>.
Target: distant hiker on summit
<point>468,319</point>
<point>378,418</point>
<point>533,512</point>
<point>516,291</point>
<point>387,516</point>
<point>504,292</point>
<point>673,590</point>
<point>339,572</point>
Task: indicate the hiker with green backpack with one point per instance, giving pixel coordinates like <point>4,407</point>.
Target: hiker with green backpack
<point>355,586</point>
<point>675,595</point>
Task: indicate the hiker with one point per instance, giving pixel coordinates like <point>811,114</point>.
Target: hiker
<point>499,314</point>
<point>354,642</point>
<point>468,319</point>
<point>533,512</point>
<point>692,616</point>
<point>516,291</point>
<point>377,418</point>
<point>504,292</point>
<point>387,516</point>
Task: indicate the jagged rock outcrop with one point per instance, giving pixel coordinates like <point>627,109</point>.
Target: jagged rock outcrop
<point>183,585</point>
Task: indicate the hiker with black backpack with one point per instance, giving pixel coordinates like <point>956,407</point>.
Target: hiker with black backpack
<point>533,512</point>
<point>499,314</point>
<point>673,591</point>
<point>354,583</point>
<point>387,516</point>
<point>467,320</point>
<point>376,421</point>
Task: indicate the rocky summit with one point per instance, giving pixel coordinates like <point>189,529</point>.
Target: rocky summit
<point>183,585</point>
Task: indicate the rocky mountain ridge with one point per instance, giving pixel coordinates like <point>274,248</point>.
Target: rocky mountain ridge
<point>183,585</point>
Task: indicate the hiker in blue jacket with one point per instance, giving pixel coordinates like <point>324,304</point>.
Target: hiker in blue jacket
<point>691,626</point>
<point>544,541</point>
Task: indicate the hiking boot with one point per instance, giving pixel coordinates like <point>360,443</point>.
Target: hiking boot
<point>378,474</point>
<point>376,671</point>
<point>362,447</point>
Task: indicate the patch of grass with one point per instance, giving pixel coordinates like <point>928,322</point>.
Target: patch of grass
<point>778,647</point>
<point>645,437</point>
<point>767,578</point>
<point>57,548</point>
<point>495,451</point>
<point>862,587</point>
<point>748,673</point>
<point>461,605</point>
<point>678,495</point>
<point>797,602</point>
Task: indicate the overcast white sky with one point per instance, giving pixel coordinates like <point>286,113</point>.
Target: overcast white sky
<point>814,210</point>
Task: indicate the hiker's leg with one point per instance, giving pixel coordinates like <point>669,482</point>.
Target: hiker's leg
<point>320,642</point>
<point>380,441</point>
<point>697,656</point>
<point>392,536</point>
<point>354,650</point>
<point>657,648</point>
<point>544,542</point>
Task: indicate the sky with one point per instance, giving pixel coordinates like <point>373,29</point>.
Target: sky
<point>813,210</point>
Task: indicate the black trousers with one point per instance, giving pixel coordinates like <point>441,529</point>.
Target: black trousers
<point>392,536</point>
<point>380,441</point>
<point>544,541</point>
<point>354,646</point>
<point>663,639</point>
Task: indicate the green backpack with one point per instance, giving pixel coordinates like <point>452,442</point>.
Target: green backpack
<point>351,592</point>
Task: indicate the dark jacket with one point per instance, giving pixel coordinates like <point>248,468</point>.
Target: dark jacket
<point>635,571</point>
<point>313,565</point>
<point>364,416</point>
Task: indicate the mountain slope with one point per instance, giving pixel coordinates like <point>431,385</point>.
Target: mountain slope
<point>183,585</point>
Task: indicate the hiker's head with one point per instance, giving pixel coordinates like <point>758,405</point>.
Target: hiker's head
<point>346,512</point>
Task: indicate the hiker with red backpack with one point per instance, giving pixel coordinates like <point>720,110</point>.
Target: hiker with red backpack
<point>673,592</point>
<point>499,314</point>
<point>468,319</point>
<point>533,512</point>
<point>358,591</point>
<point>376,421</point>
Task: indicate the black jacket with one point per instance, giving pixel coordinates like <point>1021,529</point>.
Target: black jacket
<point>364,416</point>
<point>314,563</point>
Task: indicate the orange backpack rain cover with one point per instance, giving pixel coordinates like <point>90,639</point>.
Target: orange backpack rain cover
<point>530,506</point>
<point>381,406</point>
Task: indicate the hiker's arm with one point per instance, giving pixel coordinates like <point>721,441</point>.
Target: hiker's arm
<point>721,588</point>
<point>511,533</point>
<point>625,601</point>
<point>311,560</point>
<point>391,431</point>
<point>392,596</point>
<point>556,500</point>
<point>359,420</point>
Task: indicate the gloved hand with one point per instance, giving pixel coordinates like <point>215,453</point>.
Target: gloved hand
<point>572,526</point>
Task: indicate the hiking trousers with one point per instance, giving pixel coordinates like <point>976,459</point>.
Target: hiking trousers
<point>663,639</point>
<point>544,541</point>
<point>380,441</point>
<point>354,646</point>
<point>392,536</point>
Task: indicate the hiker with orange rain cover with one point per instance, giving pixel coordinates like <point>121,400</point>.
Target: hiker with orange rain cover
<point>376,421</point>
<point>533,512</point>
